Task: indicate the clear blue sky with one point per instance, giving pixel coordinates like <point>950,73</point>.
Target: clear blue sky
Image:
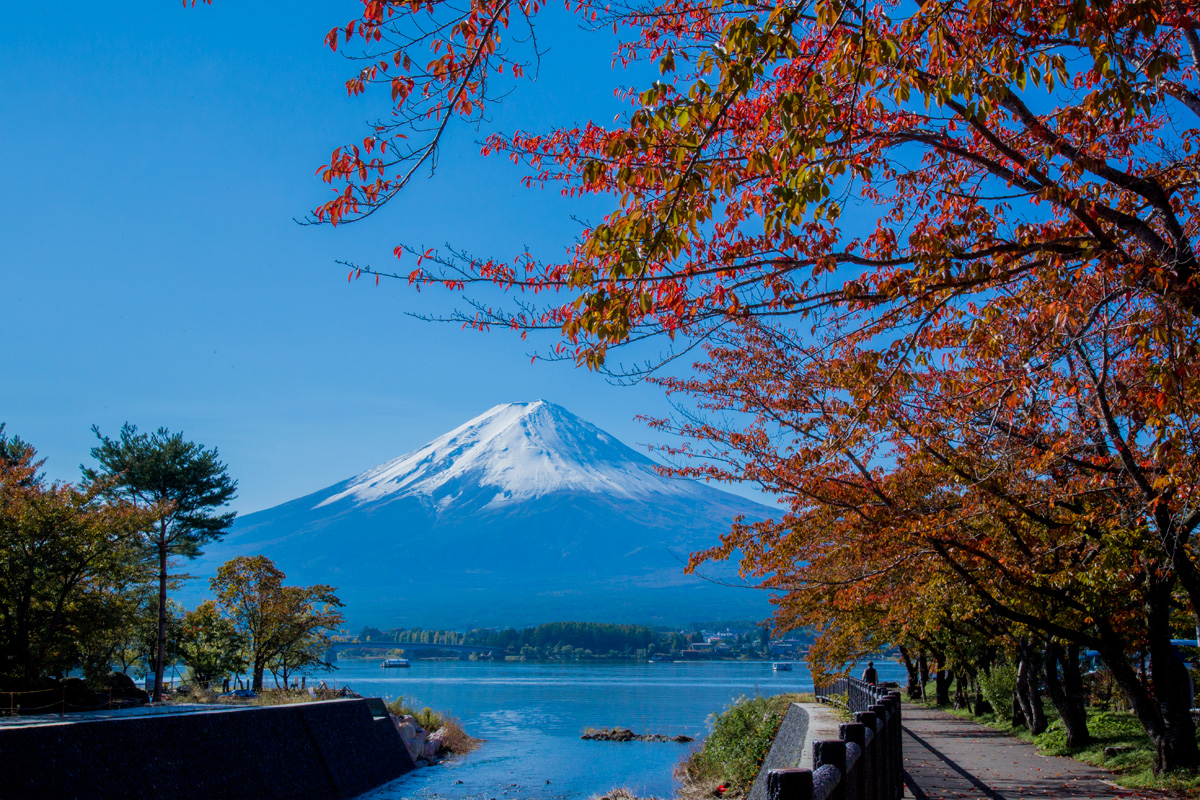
<point>155,158</point>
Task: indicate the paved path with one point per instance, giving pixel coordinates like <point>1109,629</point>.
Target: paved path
<point>947,758</point>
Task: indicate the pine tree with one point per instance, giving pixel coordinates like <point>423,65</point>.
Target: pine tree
<point>183,483</point>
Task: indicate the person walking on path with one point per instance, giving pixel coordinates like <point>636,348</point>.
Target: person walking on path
<point>947,757</point>
<point>870,675</point>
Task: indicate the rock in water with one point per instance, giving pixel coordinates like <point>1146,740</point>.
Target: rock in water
<point>627,735</point>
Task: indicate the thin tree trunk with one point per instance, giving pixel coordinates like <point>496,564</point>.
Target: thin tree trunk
<point>960,689</point>
<point>914,675</point>
<point>160,656</point>
<point>1027,688</point>
<point>943,678</point>
<point>1018,715</point>
<point>1067,700</point>
<point>981,706</point>
<point>923,667</point>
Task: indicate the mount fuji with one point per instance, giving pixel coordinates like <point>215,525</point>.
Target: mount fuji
<point>525,514</point>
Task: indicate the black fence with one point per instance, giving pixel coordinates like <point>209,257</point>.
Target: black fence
<point>866,762</point>
<point>851,694</point>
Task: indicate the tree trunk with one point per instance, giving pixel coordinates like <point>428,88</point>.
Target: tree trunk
<point>258,677</point>
<point>1018,716</point>
<point>160,656</point>
<point>923,667</point>
<point>1176,748</point>
<point>1027,688</point>
<point>914,675</point>
<point>1067,694</point>
<point>943,678</point>
<point>960,690</point>
<point>981,706</point>
<point>1164,717</point>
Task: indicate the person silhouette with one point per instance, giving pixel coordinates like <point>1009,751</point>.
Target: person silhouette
<point>870,675</point>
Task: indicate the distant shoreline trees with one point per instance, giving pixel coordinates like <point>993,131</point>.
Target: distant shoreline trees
<point>577,641</point>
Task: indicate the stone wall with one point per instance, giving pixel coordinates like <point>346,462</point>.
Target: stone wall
<point>332,750</point>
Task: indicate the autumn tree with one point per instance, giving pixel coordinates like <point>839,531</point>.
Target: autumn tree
<point>65,555</point>
<point>275,620</point>
<point>988,478</point>
<point>183,483</point>
<point>14,449</point>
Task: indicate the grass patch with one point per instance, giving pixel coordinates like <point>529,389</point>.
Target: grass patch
<point>733,753</point>
<point>1132,768</point>
<point>620,793</point>
<point>281,697</point>
<point>426,717</point>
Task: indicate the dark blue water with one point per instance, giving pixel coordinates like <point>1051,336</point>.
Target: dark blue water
<point>533,714</point>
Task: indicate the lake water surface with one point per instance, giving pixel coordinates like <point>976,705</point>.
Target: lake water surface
<point>533,714</point>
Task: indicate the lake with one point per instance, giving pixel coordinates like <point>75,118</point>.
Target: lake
<point>532,715</point>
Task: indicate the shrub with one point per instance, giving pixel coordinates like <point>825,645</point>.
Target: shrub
<point>999,685</point>
<point>456,739</point>
<point>741,737</point>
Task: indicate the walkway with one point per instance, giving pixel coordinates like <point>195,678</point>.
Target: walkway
<point>947,758</point>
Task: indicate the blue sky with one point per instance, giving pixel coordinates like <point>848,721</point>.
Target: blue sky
<point>155,159</point>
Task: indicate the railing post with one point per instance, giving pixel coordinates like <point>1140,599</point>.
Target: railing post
<point>884,765</point>
<point>891,771</point>
<point>832,753</point>
<point>856,779</point>
<point>889,742</point>
<point>897,746</point>
<point>790,784</point>
<point>867,720</point>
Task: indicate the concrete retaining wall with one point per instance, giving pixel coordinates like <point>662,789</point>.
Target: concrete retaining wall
<point>803,724</point>
<point>331,750</point>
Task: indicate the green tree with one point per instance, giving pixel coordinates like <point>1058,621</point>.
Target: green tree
<point>210,644</point>
<point>130,639</point>
<point>303,657</point>
<point>272,617</point>
<point>183,483</point>
<point>371,634</point>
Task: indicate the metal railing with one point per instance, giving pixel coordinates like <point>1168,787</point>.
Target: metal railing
<point>866,762</point>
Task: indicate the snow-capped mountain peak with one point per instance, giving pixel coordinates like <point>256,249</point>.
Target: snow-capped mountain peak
<point>513,452</point>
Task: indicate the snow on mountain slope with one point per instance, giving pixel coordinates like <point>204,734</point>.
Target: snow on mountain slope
<point>521,450</point>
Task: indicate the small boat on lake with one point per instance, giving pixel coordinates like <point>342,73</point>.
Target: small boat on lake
<point>395,662</point>
<point>781,666</point>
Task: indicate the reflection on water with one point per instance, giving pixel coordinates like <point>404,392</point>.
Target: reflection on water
<point>532,716</point>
